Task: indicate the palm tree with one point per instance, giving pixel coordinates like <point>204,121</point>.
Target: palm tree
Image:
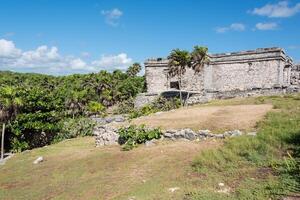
<point>199,57</point>
<point>10,105</point>
<point>134,69</point>
<point>179,60</point>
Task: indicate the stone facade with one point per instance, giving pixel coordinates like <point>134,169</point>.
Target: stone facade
<point>295,75</point>
<point>258,72</point>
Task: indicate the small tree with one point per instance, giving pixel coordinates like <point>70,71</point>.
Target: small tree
<point>10,104</point>
<point>179,60</point>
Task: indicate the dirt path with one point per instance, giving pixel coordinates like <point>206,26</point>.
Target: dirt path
<point>75,169</point>
<point>242,117</point>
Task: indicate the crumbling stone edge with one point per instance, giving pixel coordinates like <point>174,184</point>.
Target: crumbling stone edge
<point>107,135</point>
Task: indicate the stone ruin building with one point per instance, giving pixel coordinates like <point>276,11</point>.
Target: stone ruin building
<point>264,71</point>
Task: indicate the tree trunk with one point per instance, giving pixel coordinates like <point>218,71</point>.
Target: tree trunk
<point>2,141</point>
<point>180,92</point>
<point>187,98</point>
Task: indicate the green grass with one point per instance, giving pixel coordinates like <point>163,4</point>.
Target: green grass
<point>275,149</point>
<point>261,167</point>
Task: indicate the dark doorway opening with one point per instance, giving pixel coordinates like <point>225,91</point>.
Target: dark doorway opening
<point>174,85</point>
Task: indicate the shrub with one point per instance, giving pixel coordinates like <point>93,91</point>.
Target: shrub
<point>133,135</point>
<point>125,107</point>
<point>160,104</point>
<point>72,128</point>
<point>95,107</point>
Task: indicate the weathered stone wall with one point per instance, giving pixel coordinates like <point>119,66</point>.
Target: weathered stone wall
<point>244,76</point>
<point>295,75</point>
<point>158,80</point>
<point>156,76</point>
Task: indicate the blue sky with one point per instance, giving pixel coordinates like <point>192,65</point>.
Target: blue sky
<point>63,36</point>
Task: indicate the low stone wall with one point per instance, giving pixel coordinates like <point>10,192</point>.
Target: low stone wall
<point>106,135</point>
<point>207,96</point>
<point>212,95</point>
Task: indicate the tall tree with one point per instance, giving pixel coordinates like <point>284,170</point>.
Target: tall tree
<point>179,60</point>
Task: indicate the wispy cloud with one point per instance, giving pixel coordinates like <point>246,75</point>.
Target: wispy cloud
<point>9,34</point>
<point>112,16</point>
<point>280,9</point>
<point>232,27</point>
<point>48,60</point>
<point>266,26</point>
<point>293,47</point>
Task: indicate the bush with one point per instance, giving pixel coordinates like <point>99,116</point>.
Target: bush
<point>94,108</point>
<point>133,135</point>
<point>72,128</point>
<point>125,107</point>
<point>160,104</point>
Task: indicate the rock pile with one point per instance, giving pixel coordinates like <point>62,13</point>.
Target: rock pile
<point>105,135</point>
<point>189,134</point>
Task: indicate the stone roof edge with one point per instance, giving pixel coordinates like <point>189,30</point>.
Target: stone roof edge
<point>163,61</point>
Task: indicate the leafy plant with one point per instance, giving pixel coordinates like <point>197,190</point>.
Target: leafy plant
<point>133,135</point>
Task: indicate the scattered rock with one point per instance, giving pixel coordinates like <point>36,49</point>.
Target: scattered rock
<point>38,160</point>
<point>251,133</point>
<point>223,189</point>
<point>150,143</point>
<point>173,189</point>
<point>221,184</point>
<point>234,133</point>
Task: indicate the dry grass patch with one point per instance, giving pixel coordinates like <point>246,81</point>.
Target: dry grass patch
<point>215,118</point>
<point>75,169</point>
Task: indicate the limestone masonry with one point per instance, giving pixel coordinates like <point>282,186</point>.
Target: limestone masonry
<point>263,71</point>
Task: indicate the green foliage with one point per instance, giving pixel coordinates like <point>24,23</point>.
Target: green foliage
<point>34,104</point>
<point>133,135</point>
<point>71,128</point>
<point>95,108</point>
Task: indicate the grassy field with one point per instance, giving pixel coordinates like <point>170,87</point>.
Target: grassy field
<point>261,167</point>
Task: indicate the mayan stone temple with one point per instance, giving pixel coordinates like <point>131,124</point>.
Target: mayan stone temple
<point>264,71</point>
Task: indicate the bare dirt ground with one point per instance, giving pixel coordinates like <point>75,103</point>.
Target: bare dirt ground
<point>215,118</point>
<point>75,169</point>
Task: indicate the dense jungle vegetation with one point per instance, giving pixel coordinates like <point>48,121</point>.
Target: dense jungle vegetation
<point>39,109</point>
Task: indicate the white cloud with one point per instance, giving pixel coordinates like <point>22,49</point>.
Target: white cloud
<point>281,9</point>
<point>232,27</point>
<point>266,26</point>
<point>112,16</point>
<point>46,59</point>
<point>8,49</point>
<point>120,61</point>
